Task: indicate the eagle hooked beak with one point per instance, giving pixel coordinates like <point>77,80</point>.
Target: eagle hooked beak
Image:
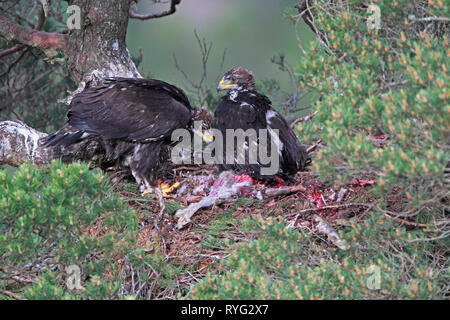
<point>225,85</point>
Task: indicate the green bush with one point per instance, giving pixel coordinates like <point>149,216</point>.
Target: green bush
<point>52,218</point>
<point>382,261</point>
<point>390,82</point>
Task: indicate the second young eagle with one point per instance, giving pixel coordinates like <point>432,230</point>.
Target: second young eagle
<point>134,120</point>
<point>245,108</point>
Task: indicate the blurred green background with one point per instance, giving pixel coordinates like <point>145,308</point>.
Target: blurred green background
<point>252,31</point>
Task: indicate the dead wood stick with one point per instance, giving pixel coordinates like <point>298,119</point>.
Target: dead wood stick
<point>274,192</point>
<point>12,295</point>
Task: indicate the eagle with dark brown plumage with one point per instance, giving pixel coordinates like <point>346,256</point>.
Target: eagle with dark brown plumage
<point>134,120</point>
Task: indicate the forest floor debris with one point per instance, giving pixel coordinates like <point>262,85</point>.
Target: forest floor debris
<point>205,200</point>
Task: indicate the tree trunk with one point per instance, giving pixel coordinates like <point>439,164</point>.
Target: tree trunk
<point>19,143</point>
<point>98,50</point>
<point>95,51</point>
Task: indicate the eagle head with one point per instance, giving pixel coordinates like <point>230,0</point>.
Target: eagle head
<point>237,78</point>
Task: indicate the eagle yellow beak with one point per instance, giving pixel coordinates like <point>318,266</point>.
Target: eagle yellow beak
<point>225,85</point>
<point>206,136</point>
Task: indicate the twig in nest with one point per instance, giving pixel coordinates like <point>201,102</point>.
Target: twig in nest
<point>22,279</point>
<point>215,257</point>
<point>274,192</point>
<point>303,119</point>
<point>365,212</point>
<point>404,221</point>
<point>187,168</point>
<point>140,200</point>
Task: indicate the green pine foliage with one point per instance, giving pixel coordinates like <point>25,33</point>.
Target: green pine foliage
<point>383,261</point>
<point>392,81</point>
<point>63,215</point>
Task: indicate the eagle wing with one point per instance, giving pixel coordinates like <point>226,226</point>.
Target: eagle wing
<point>254,110</point>
<point>138,110</point>
<point>248,114</point>
<point>293,154</point>
<point>231,115</point>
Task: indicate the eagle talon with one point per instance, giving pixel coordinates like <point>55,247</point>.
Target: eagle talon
<point>166,188</point>
<point>206,136</point>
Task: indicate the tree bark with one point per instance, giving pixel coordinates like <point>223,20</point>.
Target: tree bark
<point>95,51</point>
<point>98,50</point>
<point>19,143</point>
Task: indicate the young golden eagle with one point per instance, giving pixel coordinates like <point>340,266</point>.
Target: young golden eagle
<point>134,119</point>
<point>244,108</point>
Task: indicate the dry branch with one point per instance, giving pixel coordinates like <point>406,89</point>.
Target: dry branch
<point>432,19</point>
<point>19,143</point>
<point>275,192</point>
<point>171,10</point>
<point>12,295</point>
<point>11,50</point>
<point>338,206</point>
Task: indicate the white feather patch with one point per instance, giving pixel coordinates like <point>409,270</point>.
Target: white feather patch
<point>269,115</point>
<point>277,140</point>
<point>233,95</point>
